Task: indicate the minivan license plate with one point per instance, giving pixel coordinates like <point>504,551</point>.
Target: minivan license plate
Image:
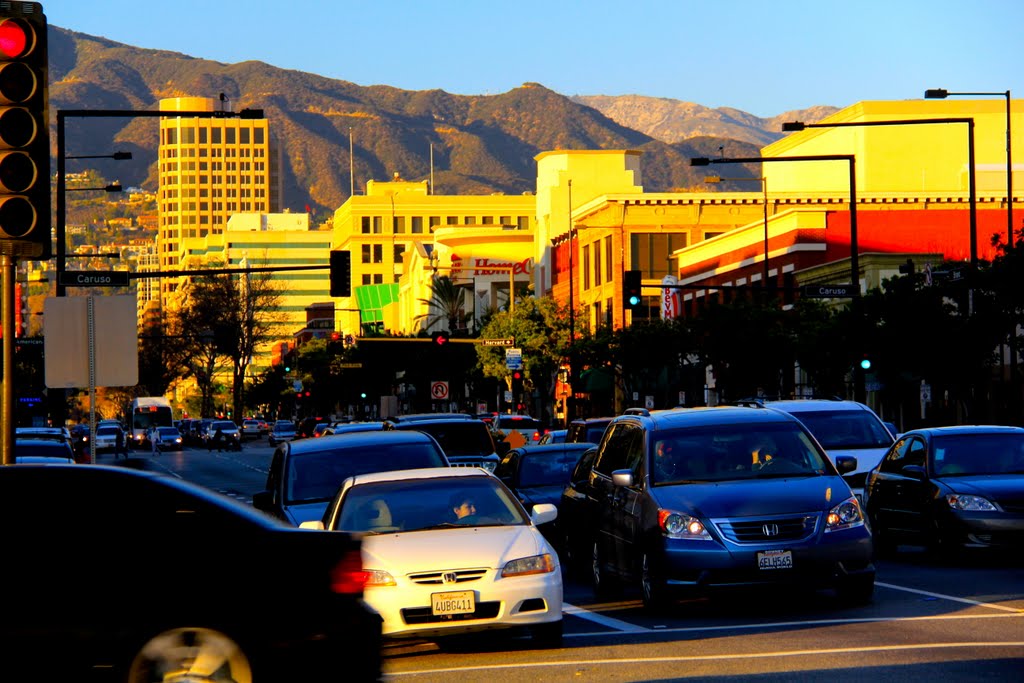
<point>775,559</point>
<point>456,602</point>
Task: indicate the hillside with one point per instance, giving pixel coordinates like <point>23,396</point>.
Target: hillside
<point>481,144</point>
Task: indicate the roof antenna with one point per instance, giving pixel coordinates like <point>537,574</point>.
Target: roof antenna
<point>721,152</point>
<point>223,101</point>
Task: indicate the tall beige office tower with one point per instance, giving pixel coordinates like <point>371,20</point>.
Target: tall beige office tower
<point>210,169</point>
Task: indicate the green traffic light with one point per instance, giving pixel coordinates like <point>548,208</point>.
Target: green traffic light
<point>865,364</point>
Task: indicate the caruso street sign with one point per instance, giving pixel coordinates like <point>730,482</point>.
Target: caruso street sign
<point>97,278</point>
<point>828,291</point>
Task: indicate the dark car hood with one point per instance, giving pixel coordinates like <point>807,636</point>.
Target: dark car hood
<point>994,486</point>
<point>535,495</point>
<point>754,497</point>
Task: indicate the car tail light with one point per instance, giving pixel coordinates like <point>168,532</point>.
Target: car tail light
<point>347,576</point>
<point>536,436</point>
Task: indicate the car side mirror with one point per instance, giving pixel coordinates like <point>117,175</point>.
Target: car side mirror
<point>543,513</point>
<point>314,525</point>
<point>845,464</point>
<point>263,500</point>
<point>622,477</point>
<point>913,471</point>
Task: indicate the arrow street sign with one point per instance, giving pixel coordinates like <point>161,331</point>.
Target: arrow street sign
<point>828,291</point>
<point>498,342</point>
<point>97,278</point>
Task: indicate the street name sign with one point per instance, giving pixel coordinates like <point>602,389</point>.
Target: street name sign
<point>95,278</point>
<point>828,291</point>
<point>498,342</point>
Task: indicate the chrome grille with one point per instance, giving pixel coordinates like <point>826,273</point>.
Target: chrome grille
<point>453,576</point>
<point>767,529</point>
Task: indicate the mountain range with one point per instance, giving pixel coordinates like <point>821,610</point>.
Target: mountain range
<point>477,144</point>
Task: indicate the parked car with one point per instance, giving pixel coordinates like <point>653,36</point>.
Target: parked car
<point>168,439</point>
<point>251,429</point>
<point>690,501</point>
<point>281,432</point>
<point>587,430</point>
<point>553,436</point>
<point>42,451</point>
<point>466,442</point>
<point>451,551</point>
<point>305,428</point>
<point>304,475</point>
<point>842,428</point>
<point>575,524</point>
<point>950,487</point>
<point>164,623</point>
<point>349,427</point>
<point>538,474</point>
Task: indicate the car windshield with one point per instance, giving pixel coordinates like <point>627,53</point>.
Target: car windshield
<point>459,438</point>
<point>107,431</point>
<point>224,426</point>
<point>546,469</point>
<point>168,431</point>
<point>846,429</point>
<point>284,428</point>
<point>964,454</point>
<point>420,504</point>
<point>317,476</point>
<point>742,451</point>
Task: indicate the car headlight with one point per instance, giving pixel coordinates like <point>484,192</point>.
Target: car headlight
<point>846,515</point>
<point>968,503</point>
<point>489,466</point>
<point>678,525</point>
<point>524,566</point>
<point>378,577</point>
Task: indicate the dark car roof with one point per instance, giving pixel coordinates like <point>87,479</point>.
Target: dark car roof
<point>965,429</point>
<point>362,439</point>
<point>541,449</point>
<point>417,417</point>
<point>50,448</point>
<point>701,417</point>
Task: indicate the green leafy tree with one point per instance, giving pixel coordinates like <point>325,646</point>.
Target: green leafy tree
<point>447,305</point>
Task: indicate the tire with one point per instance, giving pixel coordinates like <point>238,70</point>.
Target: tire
<point>653,588</point>
<point>856,590</point>
<point>177,649</point>
<point>547,636</point>
<point>605,585</point>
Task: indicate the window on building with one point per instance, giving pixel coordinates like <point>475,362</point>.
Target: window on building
<point>378,253</point>
<point>487,220</point>
<point>434,222</point>
<point>172,136</point>
<point>203,135</point>
<point>378,225</point>
<point>417,225</point>
<point>505,220</point>
<point>650,252</point>
<point>229,136</point>
<point>608,274</point>
<point>378,278</point>
<point>469,220</point>
<point>451,220</point>
<point>257,136</point>
<point>586,266</point>
<point>366,253</point>
<point>215,138</point>
<point>243,135</point>
<point>365,225</point>
<point>188,136</point>
<point>597,264</point>
<point>367,279</point>
<point>398,224</point>
<point>399,249</point>
<point>523,222</point>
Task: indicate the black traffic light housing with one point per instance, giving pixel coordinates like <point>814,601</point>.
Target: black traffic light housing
<point>440,338</point>
<point>341,273</point>
<point>24,130</point>
<point>631,290</point>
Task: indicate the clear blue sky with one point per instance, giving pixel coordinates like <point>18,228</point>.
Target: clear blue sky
<point>762,57</point>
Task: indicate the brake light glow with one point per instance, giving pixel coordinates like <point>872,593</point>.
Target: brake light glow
<point>348,577</point>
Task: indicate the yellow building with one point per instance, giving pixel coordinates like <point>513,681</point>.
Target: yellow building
<point>210,169</point>
<point>398,235</point>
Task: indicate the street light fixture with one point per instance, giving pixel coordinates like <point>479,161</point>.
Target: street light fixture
<point>764,190</point>
<point>941,94</point>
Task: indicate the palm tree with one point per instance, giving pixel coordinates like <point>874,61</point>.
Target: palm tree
<point>447,303</point>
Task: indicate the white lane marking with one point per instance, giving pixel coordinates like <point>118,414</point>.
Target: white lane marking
<point>943,596</point>
<point>610,622</point>
<point>808,622</point>
<point>707,658</point>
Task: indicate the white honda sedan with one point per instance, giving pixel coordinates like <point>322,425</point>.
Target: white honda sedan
<point>450,551</point>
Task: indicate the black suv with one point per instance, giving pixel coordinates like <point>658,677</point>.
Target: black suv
<point>687,501</point>
<point>465,440</point>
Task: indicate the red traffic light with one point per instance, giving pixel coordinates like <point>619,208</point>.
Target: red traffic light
<point>517,375</point>
<point>16,38</point>
<point>440,338</point>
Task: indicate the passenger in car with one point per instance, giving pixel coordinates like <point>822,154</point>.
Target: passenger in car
<point>464,509</point>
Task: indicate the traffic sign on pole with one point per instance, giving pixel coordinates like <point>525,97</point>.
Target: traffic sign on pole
<point>97,278</point>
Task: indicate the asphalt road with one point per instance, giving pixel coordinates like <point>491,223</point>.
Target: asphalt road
<point>959,618</point>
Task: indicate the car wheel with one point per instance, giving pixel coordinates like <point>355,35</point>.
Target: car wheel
<point>548,635</point>
<point>190,652</point>
<point>604,583</point>
<point>653,588</point>
<point>856,590</point>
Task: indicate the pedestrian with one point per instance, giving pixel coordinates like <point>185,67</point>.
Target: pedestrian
<point>119,446</point>
<point>152,442</point>
<point>218,440</point>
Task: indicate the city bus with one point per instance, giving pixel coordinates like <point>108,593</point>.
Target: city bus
<point>148,412</point>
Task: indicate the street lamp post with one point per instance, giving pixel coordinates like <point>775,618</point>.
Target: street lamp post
<point>941,94</point>
<point>971,183</point>
<point>858,373</point>
<point>764,190</point>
